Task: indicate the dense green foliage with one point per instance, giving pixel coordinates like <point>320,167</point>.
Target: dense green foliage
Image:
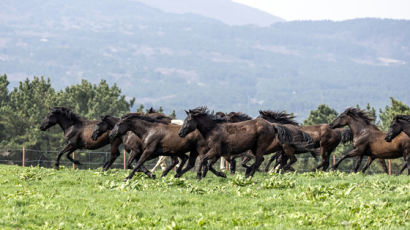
<point>322,115</point>
<point>185,61</point>
<point>39,198</point>
<point>23,109</point>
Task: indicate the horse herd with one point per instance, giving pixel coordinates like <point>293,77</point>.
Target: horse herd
<point>208,136</point>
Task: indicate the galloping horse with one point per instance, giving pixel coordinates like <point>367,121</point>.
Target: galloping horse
<point>306,143</point>
<point>77,132</point>
<point>369,140</point>
<point>400,123</point>
<point>228,139</point>
<point>130,140</point>
<point>160,139</point>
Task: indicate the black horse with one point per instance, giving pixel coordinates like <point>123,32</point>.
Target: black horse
<point>77,133</point>
<point>400,123</point>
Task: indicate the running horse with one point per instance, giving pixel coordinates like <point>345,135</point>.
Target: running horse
<point>369,140</point>
<point>400,123</point>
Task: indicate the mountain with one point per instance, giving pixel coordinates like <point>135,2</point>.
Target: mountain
<point>225,11</point>
<point>180,61</point>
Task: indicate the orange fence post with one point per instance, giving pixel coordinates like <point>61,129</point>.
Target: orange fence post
<point>73,159</point>
<point>389,167</point>
<point>124,159</point>
<point>334,160</point>
<point>227,165</point>
<point>24,157</point>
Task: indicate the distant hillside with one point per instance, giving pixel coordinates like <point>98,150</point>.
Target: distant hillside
<point>182,61</point>
<point>223,10</point>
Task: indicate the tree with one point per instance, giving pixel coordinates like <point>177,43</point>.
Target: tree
<point>323,114</point>
<point>173,115</point>
<point>386,116</point>
<point>140,109</point>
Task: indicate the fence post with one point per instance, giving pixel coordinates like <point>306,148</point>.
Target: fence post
<point>124,159</point>
<point>389,167</point>
<point>227,165</point>
<point>73,160</point>
<point>24,157</point>
<point>334,160</point>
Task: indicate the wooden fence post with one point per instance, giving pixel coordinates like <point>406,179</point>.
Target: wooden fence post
<point>23,157</point>
<point>334,160</point>
<point>227,165</point>
<point>389,167</point>
<point>124,159</point>
<point>73,160</point>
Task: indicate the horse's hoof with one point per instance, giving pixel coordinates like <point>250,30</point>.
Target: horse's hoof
<point>221,174</point>
<point>153,177</point>
<point>177,176</point>
<point>56,167</point>
<point>126,179</point>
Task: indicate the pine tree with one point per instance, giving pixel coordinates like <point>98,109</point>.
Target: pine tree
<point>397,108</point>
<point>323,114</point>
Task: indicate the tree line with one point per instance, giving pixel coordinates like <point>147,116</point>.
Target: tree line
<point>23,108</point>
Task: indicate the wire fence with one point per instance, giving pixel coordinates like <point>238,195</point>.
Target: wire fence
<point>96,159</point>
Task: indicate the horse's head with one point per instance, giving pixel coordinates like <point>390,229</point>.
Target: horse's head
<point>340,121</point>
<point>120,128</point>
<point>100,128</point>
<point>50,120</point>
<point>190,123</point>
<point>394,129</point>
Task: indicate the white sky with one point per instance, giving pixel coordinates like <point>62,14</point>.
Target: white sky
<point>332,9</point>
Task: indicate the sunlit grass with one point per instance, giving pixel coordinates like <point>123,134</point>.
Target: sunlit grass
<point>42,198</point>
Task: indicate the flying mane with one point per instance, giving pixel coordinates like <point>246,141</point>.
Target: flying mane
<point>67,112</point>
<point>203,111</point>
<point>359,114</point>
<point>402,117</point>
<point>141,117</point>
<point>278,117</point>
<point>237,117</point>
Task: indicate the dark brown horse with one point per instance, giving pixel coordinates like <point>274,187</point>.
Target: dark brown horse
<point>369,140</point>
<point>400,123</point>
<point>228,139</point>
<point>160,139</point>
<point>77,132</point>
<point>299,136</point>
<point>132,143</point>
<point>234,117</point>
<point>130,140</point>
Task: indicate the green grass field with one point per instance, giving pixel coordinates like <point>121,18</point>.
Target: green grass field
<point>39,198</point>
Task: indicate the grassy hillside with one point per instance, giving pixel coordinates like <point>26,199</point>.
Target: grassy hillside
<point>184,61</point>
<point>39,198</point>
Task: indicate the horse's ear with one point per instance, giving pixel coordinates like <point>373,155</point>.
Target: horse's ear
<point>187,113</point>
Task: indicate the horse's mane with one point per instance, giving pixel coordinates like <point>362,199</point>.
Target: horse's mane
<point>402,117</point>
<point>67,112</point>
<point>238,116</point>
<point>360,114</point>
<point>142,117</point>
<point>278,117</point>
<point>346,135</point>
<point>152,110</point>
<point>203,111</point>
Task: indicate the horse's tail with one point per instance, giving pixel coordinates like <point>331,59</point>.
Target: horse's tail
<point>347,135</point>
<point>283,133</point>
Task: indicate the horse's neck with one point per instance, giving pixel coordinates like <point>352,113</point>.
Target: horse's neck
<point>206,125</point>
<point>140,127</point>
<point>356,126</point>
<point>64,123</point>
<point>111,121</point>
<point>406,128</point>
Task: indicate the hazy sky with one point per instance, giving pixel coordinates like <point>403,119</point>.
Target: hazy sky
<point>332,9</point>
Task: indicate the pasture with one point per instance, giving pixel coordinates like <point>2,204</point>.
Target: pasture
<point>40,198</point>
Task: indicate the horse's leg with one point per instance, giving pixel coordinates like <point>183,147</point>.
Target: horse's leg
<point>232,165</point>
<point>210,163</point>
<point>358,161</point>
<point>244,161</point>
<point>170,166</point>
<point>191,163</point>
<point>252,169</point>
<point>184,158</point>
<point>159,162</point>
<point>148,151</point>
<point>368,163</point>
<point>352,153</point>
<point>271,159</point>
<point>289,152</point>
<point>403,168</point>
<point>325,159</point>
<point>202,161</point>
<point>115,153</point>
<point>384,166</point>
<point>68,148</point>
